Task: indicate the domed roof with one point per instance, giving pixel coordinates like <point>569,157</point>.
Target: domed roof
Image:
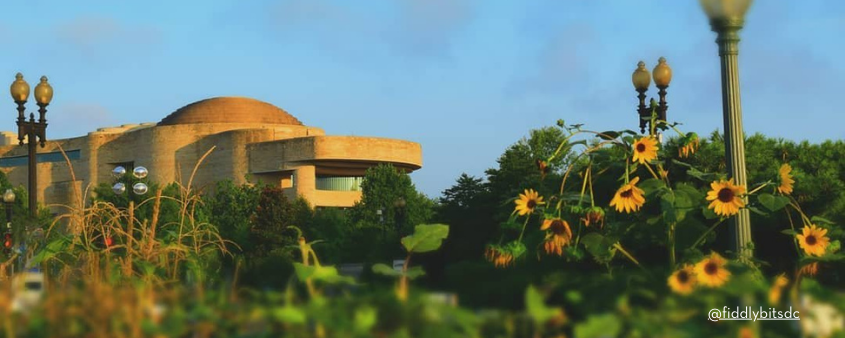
<point>229,110</point>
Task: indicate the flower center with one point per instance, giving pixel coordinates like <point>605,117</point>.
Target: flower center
<point>683,277</point>
<point>711,268</point>
<point>531,204</point>
<point>726,195</point>
<point>811,240</point>
<point>557,227</point>
<point>640,147</point>
<point>626,193</point>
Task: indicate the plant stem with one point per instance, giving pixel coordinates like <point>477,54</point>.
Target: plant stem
<point>700,239</point>
<point>672,245</point>
<point>523,228</point>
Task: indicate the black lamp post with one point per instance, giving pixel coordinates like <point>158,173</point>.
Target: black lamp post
<point>8,200</point>
<point>32,130</point>
<point>642,79</point>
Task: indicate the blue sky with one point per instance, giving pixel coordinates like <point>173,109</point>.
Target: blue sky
<point>465,78</point>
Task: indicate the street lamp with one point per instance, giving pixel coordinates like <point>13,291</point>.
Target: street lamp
<point>8,200</point>
<point>32,130</point>
<point>138,188</point>
<point>641,80</point>
<point>726,19</point>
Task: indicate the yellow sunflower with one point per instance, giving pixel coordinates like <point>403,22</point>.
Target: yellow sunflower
<point>726,197</point>
<point>814,240</point>
<point>593,215</point>
<point>689,146</point>
<point>809,270</point>
<point>682,281</point>
<point>526,202</point>
<point>559,235</point>
<point>498,257</point>
<point>544,168</point>
<point>645,149</point>
<point>786,180</point>
<point>628,198</point>
<point>711,271</point>
<point>777,288</point>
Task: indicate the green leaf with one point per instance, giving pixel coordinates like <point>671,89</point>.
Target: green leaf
<point>608,135</point>
<point>652,185</point>
<point>384,269</point>
<point>365,318</point>
<point>789,232</point>
<point>772,202</point>
<point>289,315</point>
<point>52,249</point>
<point>834,246</point>
<point>708,213</point>
<point>667,206</point>
<point>415,272</point>
<point>756,211</point>
<point>820,220</point>
<point>327,274</point>
<point>426,237</point>
<point>536,307</point>
<point>598,246</point>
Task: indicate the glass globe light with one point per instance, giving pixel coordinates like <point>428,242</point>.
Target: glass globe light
<point>140,172</point>
<point>119,188</point>
<point>139,188</point>
<point>118,171</point>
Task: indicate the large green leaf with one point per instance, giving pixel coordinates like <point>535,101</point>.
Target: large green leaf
<point>651,186</point>
<point>289,315</point>
<point>536,306</point>
<point>415,272</point>
<point>772,202</point>
<point>384,269</point>
<point>598,246</point>
<point>426,237</point>
<point>327,274</point>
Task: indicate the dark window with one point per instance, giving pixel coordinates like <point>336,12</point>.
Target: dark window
<point>56,156</point>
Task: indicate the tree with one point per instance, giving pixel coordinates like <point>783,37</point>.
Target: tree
<point>389,208</point>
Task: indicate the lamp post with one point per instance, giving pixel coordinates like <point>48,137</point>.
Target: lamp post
<point>8,200</point>
<point>726,19</point>
<point>32,130</point>
<point>641,80</point>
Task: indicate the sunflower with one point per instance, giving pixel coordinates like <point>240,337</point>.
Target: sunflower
<point>689,146</point>
<point>559,235</point>
<point>711,271</point>
<point>593,215</point>
<point>499,257</point>
<point>726,197</point>
<point>777,288</point>
<point>526,202</point>
<point>682,281</point>
<point>810,269</point>
<point>746,332</point>
<point>813,240</point>
<point>543,167</point>
<point>786,180</point>
<point>628,198</point>
<point>645,150</point>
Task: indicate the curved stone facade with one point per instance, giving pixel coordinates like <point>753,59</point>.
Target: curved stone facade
<point>263,144</point>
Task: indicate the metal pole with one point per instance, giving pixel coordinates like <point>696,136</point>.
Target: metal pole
<point>728,41</point>
<point>33,173</point>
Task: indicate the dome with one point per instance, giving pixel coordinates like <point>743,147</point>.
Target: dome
<point>229,110</point>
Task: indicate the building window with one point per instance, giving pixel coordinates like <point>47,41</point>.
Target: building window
<point>20,161</point>
<point>339,183</point>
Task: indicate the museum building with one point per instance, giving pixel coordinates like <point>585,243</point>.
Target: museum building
<point>253,142</point>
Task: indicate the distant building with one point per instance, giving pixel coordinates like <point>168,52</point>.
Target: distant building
<point>254,140</point>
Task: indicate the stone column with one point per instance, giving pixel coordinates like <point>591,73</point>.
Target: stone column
<point>305,182</point>
<point>728,41</point>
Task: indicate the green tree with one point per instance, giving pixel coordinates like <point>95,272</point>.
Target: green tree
<point>389,208</point>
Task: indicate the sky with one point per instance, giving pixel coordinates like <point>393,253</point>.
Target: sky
<point>464,78</point>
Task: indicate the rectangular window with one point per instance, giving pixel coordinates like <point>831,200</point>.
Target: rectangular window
<point>56,156</point>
